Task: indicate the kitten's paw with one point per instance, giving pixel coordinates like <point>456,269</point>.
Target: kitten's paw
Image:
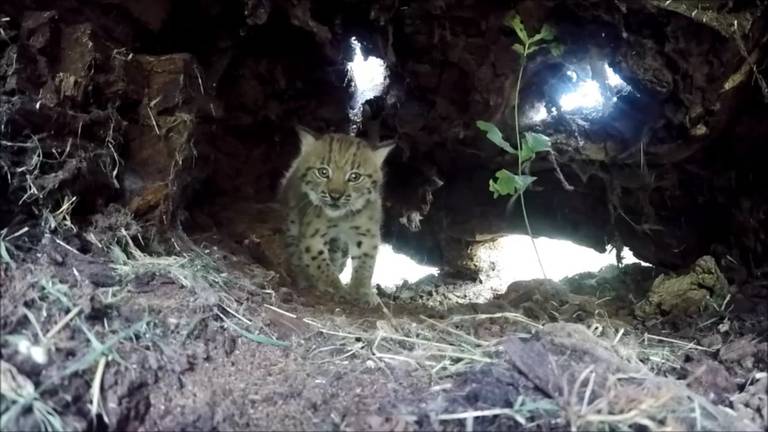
<point>335,296</point>
<point>366,297</point>
<point>371,300</point>
<point>331,287</point>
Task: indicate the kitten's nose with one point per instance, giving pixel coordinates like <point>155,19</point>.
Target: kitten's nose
<point>335,195</point>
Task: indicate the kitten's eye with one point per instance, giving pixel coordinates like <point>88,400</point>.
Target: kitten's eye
<point>354,177</point>
<point>323,172</point>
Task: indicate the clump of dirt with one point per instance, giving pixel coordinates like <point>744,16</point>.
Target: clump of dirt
<point>627,283</point>
<point>752,403</point>
<point>440,292</point>
<point>595,386</point>
<point>693,292</point>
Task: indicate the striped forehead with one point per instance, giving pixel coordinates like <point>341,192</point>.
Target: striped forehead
<point>340,151</point>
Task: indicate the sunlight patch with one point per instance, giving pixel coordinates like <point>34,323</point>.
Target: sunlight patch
<point>515,260</point>
<point>369,77</point>
<point>614,80</point>
<point>538,113</point>
<point>392,268</point>
<point>591,94</point>
<point>587,95</point>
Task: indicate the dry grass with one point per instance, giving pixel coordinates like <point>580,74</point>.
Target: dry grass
<point>19,391</point>
<point>659,354</point>
<point>195,270</point>
<point>442,348</point>
<point>445,349</point>
<point>53,298</point>
<point>6,248</point>
<point>659,404</point>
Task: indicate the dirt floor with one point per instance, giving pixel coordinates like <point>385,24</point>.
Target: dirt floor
<point>102,334</point>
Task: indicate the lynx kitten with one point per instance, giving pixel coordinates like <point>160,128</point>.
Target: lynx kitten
<point>333,196</point>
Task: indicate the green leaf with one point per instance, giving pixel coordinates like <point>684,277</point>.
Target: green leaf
<point>4,255</point>
<point>538,142</point>
<point>556,49</point>
<point>519,49</point>
<point>513,20</point>
<point>507,183</point>
<point>532,48</point>
<point>494,134</point>
<point>547,33</point>
<point>532,144</point>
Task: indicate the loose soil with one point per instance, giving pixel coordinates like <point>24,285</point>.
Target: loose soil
<point>202,339</point>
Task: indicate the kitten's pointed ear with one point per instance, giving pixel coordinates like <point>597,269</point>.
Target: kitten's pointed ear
<point>382,150</point>
<point>306,137</point>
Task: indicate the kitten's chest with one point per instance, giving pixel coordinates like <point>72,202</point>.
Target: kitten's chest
<point>353,228</point>
<point>344,231</point>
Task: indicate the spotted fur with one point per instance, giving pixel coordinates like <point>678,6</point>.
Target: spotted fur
<point>333,196</point>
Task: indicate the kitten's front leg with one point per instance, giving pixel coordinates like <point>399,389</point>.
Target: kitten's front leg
<point>318,266</point>
<point>363,250</point>
<point>295,263</point>
<point>338,250</point>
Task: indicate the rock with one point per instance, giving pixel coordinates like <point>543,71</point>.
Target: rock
<point>710,379</point>
<point>535,297</point>
<point>560,353</point>
<point>539,290</point>
<point>714,341</point>
<point>739,351</point>
<point>625,282</point>
<point>685,295</point>
<point>752,403</point>
<point>102,277</point>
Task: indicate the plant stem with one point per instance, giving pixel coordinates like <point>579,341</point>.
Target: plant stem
<point>520,160</point>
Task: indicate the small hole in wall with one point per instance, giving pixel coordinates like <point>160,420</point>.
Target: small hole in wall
<point>579,91</point>
<point>369,76</point>
<point>590,94</point>
<point>587,95</point>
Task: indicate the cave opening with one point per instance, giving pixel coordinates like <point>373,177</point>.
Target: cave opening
<point>511,259</point>
<point>503,261</point>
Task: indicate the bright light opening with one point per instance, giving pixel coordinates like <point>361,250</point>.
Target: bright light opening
<point>511,257</point>
<point>587,95</point>
<point>369,76</point>
<point>392,269</point>
<point>614,80</point>
<point>514,258</point>
<point>538,113</point>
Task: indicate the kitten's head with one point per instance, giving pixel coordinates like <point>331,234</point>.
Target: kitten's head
<point>340,173</point>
